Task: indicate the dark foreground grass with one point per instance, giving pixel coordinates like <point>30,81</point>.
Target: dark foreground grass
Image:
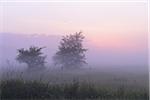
<point>17,89</point>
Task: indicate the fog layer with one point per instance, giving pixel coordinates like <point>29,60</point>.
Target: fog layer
<point>96,56</point>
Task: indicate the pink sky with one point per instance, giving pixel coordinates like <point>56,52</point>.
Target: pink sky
<point>106,25</point>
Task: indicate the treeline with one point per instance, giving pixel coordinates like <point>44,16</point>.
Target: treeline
<point>70,54</point>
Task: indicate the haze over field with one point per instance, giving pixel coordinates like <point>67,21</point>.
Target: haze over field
<point>96,57</point>
<point>116,33</point>
<point>74,50</point>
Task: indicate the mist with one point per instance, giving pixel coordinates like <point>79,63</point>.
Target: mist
<point>115,61</point>
<point>101,58</point>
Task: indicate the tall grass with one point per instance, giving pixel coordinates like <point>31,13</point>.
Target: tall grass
<point>75,90</point>
<point>54,84</point>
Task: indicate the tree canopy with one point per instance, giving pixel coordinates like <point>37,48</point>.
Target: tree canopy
<point>33,57</point>
<point>71,53</point>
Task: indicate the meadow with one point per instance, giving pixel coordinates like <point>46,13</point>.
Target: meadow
<point>83,84</point>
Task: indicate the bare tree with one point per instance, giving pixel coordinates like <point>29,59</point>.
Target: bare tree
<point>71,53</point>
<point>33,57</point>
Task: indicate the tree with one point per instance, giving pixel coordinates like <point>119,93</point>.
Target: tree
<point>32,57</point>
<point>71,53</point>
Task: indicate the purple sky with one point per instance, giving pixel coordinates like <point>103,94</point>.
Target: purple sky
<point>116,32</point>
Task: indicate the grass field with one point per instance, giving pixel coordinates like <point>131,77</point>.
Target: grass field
<point>85,84</point>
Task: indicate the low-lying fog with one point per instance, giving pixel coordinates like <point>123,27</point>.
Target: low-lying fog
<point>96,57</point>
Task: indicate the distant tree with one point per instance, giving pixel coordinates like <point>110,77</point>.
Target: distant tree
<point>71,53</point>
<point>32,57</point>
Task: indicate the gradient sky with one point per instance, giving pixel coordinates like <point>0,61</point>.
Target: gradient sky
<point>113,25</point>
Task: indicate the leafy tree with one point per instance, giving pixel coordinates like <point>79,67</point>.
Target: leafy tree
<point>32,57</point>
<point>71,53</point>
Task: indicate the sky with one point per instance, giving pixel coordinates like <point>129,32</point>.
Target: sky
<point>116,26</point>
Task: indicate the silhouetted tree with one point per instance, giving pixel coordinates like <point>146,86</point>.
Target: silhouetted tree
<point>71,53</point>
<point>32,57</point>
